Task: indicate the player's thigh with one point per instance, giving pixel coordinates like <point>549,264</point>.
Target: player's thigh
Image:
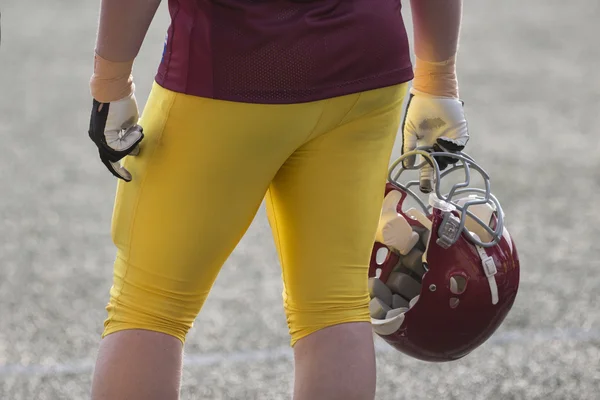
<point>201,175</point>
<point>324,206</point>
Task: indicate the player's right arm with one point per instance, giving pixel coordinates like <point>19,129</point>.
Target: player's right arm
<point>434,116</point>
<point>122,27</point>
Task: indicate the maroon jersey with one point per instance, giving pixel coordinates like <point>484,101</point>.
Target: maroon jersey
<point>283,51</point>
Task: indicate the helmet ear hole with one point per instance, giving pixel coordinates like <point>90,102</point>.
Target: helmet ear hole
<point>458,284</point>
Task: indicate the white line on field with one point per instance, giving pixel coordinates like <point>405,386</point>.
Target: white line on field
<point>285,352</point>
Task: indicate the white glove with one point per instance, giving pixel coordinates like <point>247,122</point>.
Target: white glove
<point>433,121</point>
<point>114,130</point>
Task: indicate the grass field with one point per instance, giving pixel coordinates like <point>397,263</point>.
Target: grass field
<point>529,77</point>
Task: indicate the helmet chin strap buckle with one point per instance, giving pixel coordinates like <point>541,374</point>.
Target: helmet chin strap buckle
<point>450,227</point>
<point>489,266</point>
<point>449,230</point>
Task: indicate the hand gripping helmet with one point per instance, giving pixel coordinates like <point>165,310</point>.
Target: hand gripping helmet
<point>444,274</point>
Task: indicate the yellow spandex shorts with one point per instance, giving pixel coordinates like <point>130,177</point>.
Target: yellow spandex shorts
<point>204,169</point>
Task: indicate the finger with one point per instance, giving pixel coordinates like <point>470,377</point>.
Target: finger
<point>124,141</point>
<point>135,151</point>
<point>410,143</point>
<point>133,135</point>
<point>409,136</point>
<point>121,172</point>
<point>447,145</point>
<point>426,177</point>
<point>115,168</point>
<point>443,162</point>
<point>452,145</point>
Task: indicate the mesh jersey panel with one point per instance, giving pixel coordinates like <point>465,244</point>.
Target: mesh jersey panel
<point>283,51</point>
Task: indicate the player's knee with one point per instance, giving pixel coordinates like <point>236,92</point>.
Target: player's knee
<point>125,317</point>
<point>137,303</point>
<point>305,319</point>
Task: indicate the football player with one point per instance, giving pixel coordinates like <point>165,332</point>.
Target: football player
<point>296,102</point>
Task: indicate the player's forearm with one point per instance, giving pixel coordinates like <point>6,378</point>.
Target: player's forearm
<point>123,26</point>
<point>121,31</point>
<point>436,34</point>
<point>436,28</point>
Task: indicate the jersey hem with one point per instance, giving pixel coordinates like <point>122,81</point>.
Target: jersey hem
<point>390,78</point>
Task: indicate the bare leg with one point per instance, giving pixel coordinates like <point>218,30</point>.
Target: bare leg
<point>138,364</point>
<point>337,362</point>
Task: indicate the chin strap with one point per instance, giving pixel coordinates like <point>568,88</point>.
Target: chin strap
<point>490,270</point>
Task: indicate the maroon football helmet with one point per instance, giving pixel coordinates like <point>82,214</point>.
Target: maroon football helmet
<point>443,275</point>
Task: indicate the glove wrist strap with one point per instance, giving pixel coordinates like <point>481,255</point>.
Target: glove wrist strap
<point>111,80</point>
<point>437,78</point>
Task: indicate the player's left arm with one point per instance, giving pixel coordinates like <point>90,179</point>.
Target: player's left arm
<point>122,28</point>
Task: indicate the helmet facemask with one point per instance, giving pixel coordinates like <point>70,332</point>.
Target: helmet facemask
<point>458,232</point>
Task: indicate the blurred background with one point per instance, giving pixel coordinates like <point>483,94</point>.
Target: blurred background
<point>529,77</point>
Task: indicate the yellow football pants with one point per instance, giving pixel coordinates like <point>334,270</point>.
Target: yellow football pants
<point>205,167</point>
